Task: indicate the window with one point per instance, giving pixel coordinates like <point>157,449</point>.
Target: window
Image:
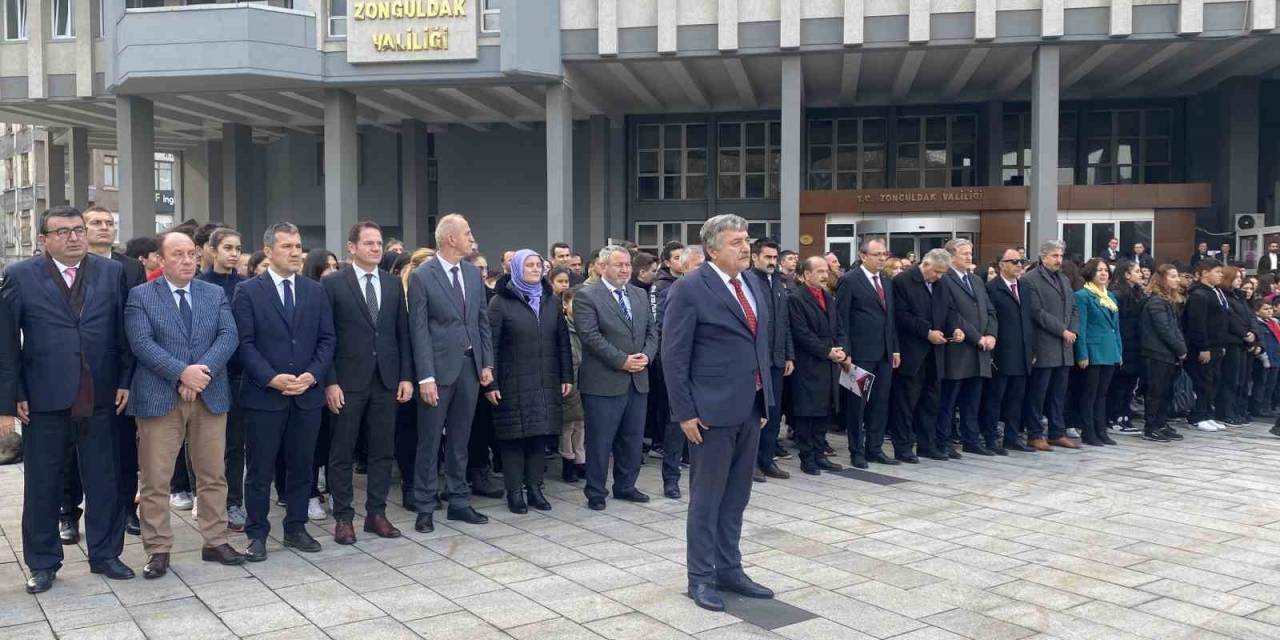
<point>1015,160</point>
<point>24,169</point>
<point>63,22</point>
<point>1129,146</point>
<point>490,16</point>
<point>936,151</point>
<point>749,159</point>
<point>758,229</point>
<point>337,18</point>
<point>1087,239</point>
<point>15,19</point>
<point>652,236</point>
<point>848,153</point>
<point>671,161</point>
<point>164,175</point>
<point>110,172</point>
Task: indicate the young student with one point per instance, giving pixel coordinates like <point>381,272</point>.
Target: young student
<point>1266,363</point>
<point>573,453</point>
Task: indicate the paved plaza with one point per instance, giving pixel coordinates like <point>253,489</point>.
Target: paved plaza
<point>1141,540</point>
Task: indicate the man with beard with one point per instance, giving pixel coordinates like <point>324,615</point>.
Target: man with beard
<point>764,266</point>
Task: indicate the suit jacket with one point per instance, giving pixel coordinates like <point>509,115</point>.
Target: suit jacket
<point>1264,264</point>
<point>163,347</point>
<point>1014,352</point>
<point>440,331</point>
<point>10,346</point>
<point>1144,261</point>
<point>870,332</point>
<point>271,344</point>
<point>710,359</point>
<point>55,338</point>
<point>976,318</point>
<point>368,353</point>
<point>917,312</point>
<point>608,338</point>
<point>1110,255</point>
<point>134,273</point>
<point>781,347</point>
<point>1099,341</point>
<point>816,383</point>
<point>1048,296</point>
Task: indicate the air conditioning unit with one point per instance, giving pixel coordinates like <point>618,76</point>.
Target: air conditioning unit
<point>1249,222</point>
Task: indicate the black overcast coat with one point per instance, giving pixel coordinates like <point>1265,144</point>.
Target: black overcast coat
<point>816,383</point>
<point>533,357</point>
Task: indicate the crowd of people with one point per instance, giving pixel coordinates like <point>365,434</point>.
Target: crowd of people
<point>185,366</point>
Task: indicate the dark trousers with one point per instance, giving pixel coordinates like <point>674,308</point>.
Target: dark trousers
<point>808,436</point>
<point>482,446</point>
<point>865,421</point>
<point>1095,381</point>
<point>614,425</point>
<point>659,412</point>
<point>769,437</point>
<point>47,440</point>
<point>915,409</point>
<point>673,442</point>
<point>524,463</point>
<point>965,396</point>
<point>1204,380</point>
<point>126,431</point>
<point>371,410</point>
<point>1046,395</point>
<point>1002,399</point>
<point>233,456</point>
<point>267,433</point>
<point>719,488</point>
<point>1230,378</point>
<point>320,459</point>
<point>454,413</point>
<point>1160,377</point>
<point>1264,382</point>
<point>407,442</point>
<point>1121,393</point>
<point>184,478</point>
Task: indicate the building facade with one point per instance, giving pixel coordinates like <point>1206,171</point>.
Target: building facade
<point>821,121</point>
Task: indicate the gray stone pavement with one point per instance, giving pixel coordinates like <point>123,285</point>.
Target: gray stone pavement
<point>1141,540</point>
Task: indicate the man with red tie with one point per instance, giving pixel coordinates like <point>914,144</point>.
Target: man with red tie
<point>865,305</point>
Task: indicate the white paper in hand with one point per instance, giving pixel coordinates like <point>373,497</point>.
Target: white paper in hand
<point>858,380</point>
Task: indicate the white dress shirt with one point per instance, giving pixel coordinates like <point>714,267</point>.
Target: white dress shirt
<point>626,297</point>
<point>746,290</point>
<point>871,277</point>
<point>361,279</point>
<point>173,291</point>
<point>448,274</point>
<point>62,269</point>
<point>279,282</point>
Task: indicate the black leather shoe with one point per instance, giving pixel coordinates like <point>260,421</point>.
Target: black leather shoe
<point>977,449</point>
<point>1018,446</point>
<point>744,586</point>
<point>672,492</point>
<point>516,504</point>
<point>467,515</point>
<point>859,461</point>
<point>825,464</point>
<point>256,551</point>
<point>156,566</point>
<point>1106,438</point>
<point>482,485</point>
<point>1170,433</point>
<point>112,568</point>
<point>302,541</point>
<point>131,524</point>
<point>537,500</point>
<point>1154,436</point>
<point>634,496</point>
<point>424,523</point>
<point>706,596</point>
<point>998,449</point>
<point>406,501</point>
<point>567,472</point>
<point>757,475</point>
<point>776,472</point>
<point>879,457</point>
<point>41,581</point>
<point>810,469</point>
<point>940,456</point>
<point>596,504</point>
<point>68,531</point>
<point>909,458</point>
<point>953,454</point>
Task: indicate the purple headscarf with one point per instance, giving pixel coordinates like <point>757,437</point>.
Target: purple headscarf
<point>532,292</point>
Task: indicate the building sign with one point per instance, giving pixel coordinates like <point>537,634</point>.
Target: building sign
<point>165,201</point>
<point>912,200</point>
<point>920,195</point>
<point>412,30</point>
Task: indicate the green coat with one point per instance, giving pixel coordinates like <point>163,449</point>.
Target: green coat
<point>1099,338</point>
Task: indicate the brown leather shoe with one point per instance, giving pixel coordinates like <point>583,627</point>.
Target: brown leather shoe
<point>157,566</point>
<point>344,533</point>
<point>378,523</point>
<point>222,554</point>
<point>1039,444</point>
<point>1065,442</point>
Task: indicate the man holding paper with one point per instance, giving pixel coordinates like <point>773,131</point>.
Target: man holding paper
<point>865,305</point>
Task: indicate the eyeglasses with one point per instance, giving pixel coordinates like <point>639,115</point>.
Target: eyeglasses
<point>1017,261</point>
<point>66,232</point>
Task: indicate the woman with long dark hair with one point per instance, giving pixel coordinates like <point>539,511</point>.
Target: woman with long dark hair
<point>1235,362</point>
<point>1127,287</point>
<point>1163,349</point>
<point>319,263</point>
<point>1097,350</point>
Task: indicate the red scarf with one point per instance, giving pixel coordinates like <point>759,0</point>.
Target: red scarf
<point>817,295</point>
<point>1274,327</point>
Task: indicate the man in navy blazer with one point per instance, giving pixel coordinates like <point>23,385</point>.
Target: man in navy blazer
<point>73,376</point>
<point>182,335</point>
<point>716,357</point>
<point>286,348</point>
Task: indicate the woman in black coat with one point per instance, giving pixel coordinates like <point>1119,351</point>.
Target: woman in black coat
<point>1235,362</point>
<point>1126,284</point>
<point>1164,348</point>
<point>815,328</point>
<point>533,372</point>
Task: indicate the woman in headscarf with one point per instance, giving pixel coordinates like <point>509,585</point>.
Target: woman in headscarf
<point>533,371</point>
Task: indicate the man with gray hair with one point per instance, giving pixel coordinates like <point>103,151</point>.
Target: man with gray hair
<point>968,361</point>
<point>1052,305</point>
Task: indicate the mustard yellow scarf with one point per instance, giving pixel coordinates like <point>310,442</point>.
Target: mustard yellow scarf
<point>1103,297</point>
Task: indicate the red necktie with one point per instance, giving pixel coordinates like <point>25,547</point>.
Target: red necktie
<point>751,319</point>
<point>879,290</point>
<point>1013,286</point>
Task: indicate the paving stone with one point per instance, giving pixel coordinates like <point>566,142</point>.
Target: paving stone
<point>262,619</point>
<point>559,629</point>
<point>229,595</point>
<point>114,631</point>
<point>453,626</point>
<point>379,628</point>
<point>187,618</point>
<point>852,613</point>
<point>978,626</point>
<point>569,599</point>
<point>670,607</point>
<point>410,602</point>
<point>328,603</point>
<point>635,626</point>
<point>820,629</point>
<point>505,608</point>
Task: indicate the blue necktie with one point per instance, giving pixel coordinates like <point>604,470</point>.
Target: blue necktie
<point>184,310</point>
<point>968,284</point>
<point>288,301</point>
<point>622,302</point>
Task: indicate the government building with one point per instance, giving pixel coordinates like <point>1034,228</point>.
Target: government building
<point>821,121</point>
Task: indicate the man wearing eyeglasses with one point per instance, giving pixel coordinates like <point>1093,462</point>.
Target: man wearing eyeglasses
<point>865,305</point>
<point>73,380</point>
<point>1002,397</point>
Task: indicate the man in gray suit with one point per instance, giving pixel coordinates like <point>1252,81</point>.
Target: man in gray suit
<point>453,355</point>
<point>619,340</point>
<point>1052,305</point>
<point>968,361</point>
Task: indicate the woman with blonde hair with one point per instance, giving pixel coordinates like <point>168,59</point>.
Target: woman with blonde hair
<point>1163,348</point>
<point>407,413</point>
<point>891,268</point>
<point>419,256</point>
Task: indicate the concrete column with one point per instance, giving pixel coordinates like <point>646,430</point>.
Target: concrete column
<point>202,182</point>
<point>792,151</point>
<point>559,164</point>
<point>56,179</point>
<point>617,225</point>
<point>415,188</point>
<point>1236,187</point>
<point>789,34</point>
<point>78,145</point>
<point>341,154</point>
<point>607,27</point>
<point>39,17</point>
<point>136,138</point>
<point>854,12</point>
<point>993,116</point>
<point>1044,145</point>
<point>598,176</point>
<point>727,25</point>
<point>668,16</point>
<point>237,174</point>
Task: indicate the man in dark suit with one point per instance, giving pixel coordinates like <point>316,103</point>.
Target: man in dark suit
<point>764,266</point>
<point>968,361</point>
<point>1112,252</point>
<point>926,321</point>
<point>372,371</point>
<point>815,386</point>
<point>73,373</point>
<point>619,340</point>
<point>717,360</point>
<point>1270,261</point>
<point>1048,296</point>
<point>1142,258</point>
<point>1202,252</point>
<point>1003,395</point>
<point>864,302</point>
<point>286,348</point>
<point>453,357</point>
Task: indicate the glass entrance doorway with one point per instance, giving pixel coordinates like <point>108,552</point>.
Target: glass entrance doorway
<point>913,236</point>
